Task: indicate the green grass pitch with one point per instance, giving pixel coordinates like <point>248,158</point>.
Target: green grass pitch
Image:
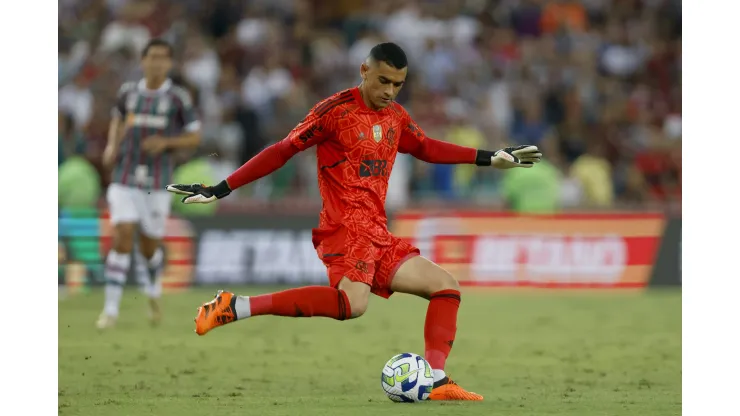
<point>528,353</point>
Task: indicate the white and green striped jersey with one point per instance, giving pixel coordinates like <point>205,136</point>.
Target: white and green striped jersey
<point>167,112</point>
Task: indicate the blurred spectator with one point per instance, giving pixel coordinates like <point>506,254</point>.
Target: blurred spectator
<point>127,31</point>
<point>498,101</point>
<point>437,66</point>
<point>464,133</point>
<point>252,29</point>
<point>563,15</point>
<point>266,83</point>
<point>526,19</point>
<point>361,47</point>
<point>533,191</point>
<point>201,66</point>
<point>620,55</point>
<point>79,184</point>
<point>529,126</point>
<point>77,100</point>
<point>71,59</point>
<point>593,172</point>
<point>596,83</point>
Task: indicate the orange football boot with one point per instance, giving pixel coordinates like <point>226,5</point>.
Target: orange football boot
<point>446,389</point>
<point>219,311</point>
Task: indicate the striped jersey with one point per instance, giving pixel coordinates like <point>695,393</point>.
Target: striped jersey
<point>166,112</point>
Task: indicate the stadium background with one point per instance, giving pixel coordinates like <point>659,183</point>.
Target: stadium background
<point>595,83</point>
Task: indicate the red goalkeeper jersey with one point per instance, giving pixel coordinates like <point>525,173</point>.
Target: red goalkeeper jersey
<point>356,148</point>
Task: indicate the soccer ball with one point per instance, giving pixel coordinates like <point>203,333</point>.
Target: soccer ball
<point>408,378</point>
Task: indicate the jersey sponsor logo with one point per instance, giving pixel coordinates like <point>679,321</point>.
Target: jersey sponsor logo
<point>308,134</point>
<point>374,167</point>
<point>148,120</point>
<point>377,133</point>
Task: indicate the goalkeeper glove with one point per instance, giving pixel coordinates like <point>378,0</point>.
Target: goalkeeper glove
<point>510,157</point>
<point>199,193</point>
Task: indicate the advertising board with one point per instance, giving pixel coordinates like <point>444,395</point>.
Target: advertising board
<point>557,251</point>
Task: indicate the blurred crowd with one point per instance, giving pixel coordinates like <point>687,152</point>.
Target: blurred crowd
<point>595,83</point>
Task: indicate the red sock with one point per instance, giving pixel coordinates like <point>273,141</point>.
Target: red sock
<point>303,302</point>
<point>440,327</point>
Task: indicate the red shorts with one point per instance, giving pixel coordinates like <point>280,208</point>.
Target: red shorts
<point>359,259</point>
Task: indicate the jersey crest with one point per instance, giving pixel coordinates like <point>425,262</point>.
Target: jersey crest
<point>377,133</point>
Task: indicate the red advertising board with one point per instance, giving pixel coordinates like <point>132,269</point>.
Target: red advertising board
<point>556,251</point>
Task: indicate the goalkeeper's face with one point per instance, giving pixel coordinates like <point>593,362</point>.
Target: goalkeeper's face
<point>382,82</point>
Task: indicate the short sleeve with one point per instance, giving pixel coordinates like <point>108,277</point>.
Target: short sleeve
<point>187,112</point>
<point>119,109</point>
<point>311,131</point>
<point>412,136</point>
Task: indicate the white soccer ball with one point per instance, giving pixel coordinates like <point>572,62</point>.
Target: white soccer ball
<point>408,378</point>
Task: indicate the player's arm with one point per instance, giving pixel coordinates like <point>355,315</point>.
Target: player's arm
<point>116,127</point>
<point>309,132</point>
<point>190,136</point>
<point>414,142</point>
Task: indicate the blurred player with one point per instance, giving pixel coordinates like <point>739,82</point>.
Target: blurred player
<point>357,134</point>
<point>151,120</point>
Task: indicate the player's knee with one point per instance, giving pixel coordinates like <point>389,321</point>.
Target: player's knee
<point>123,241</point>
<point>442,281</point>
<point>357,304</point>
<point>148,246</point>
<point>358,295</point>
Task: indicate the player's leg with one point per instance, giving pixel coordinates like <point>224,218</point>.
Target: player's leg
<point>419,276</point>
<point>156,211</point>
<point>141,271</point>
<point>152,259</point>
<point>347,300</point>
<point>346,296</point>
<point>124,218</point>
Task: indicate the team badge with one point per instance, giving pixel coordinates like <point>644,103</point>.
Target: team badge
<point>391,135</point>
<point>377,133</point>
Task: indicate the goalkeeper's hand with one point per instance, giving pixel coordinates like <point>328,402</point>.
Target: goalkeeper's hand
<point>200,194</point>
<point>511,157</point>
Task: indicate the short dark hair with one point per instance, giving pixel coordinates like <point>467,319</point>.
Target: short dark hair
<point>389,53</point>
<point>157,42</point>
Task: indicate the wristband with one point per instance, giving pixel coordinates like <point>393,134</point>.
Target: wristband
<point>221,190</point>
<point>483,157</point>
